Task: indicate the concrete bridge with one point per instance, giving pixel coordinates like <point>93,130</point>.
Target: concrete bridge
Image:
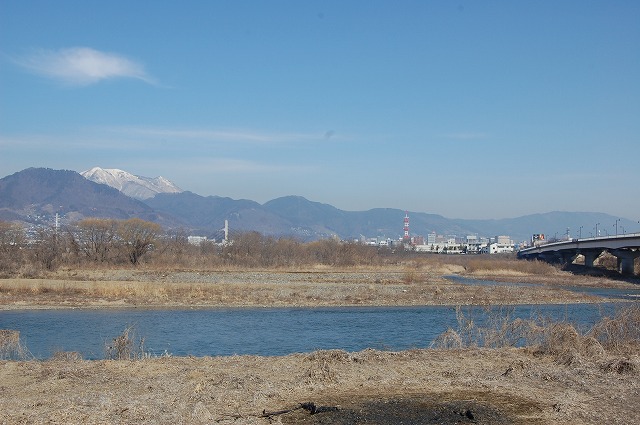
<point>625,247</point>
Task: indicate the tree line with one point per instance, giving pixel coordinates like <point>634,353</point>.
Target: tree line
<point>134,242</point>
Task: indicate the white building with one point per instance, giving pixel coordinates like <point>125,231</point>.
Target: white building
<point>196,240</point>
<point>497,248</point>
<point>503,240</point>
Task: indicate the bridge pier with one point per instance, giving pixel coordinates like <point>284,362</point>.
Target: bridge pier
<point>590,256</point>
<point>568,257</point>
<point>626,260</point>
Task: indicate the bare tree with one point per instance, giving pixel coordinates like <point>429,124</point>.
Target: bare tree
<point>11,236</point>
<point>12,241</point>
<point>47,249</point>
<point>174,248</point>
<point>137,237</point>
<point>96,237</point>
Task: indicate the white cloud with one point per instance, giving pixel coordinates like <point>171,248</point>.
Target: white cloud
<point>83,66</point>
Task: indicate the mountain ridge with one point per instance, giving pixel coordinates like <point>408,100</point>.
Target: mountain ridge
<point>41,192</point>
<point>32,194</point>
<point>134,186</point>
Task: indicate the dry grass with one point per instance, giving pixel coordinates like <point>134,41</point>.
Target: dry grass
<point>269,288</point>
<point>618,335</point>
<point>506,385</point>
<point>621,333</point>
<point>126,346</point>
<point>508,265</point>
<point>11,347</point>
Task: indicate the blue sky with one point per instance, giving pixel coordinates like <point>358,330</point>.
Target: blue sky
<point>469,109</point>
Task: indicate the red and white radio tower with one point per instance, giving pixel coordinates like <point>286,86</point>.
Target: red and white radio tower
<point>406,238</point>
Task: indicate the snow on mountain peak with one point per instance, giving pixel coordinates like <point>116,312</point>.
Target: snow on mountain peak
<point>137,187</point>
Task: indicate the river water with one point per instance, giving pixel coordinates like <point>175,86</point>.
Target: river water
<point>259,331</point>
<point>270,331</point>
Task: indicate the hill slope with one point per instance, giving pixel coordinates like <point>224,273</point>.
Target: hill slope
<point>35,194</point>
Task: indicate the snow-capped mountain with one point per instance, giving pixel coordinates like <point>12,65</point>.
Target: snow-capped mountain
<point>137,187</point>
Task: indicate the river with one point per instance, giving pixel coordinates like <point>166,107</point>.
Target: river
<point>259,331</point>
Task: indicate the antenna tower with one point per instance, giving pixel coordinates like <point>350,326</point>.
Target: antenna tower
<point>405,237</point>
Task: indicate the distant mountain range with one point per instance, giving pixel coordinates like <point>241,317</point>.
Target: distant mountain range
<point>35,195</point>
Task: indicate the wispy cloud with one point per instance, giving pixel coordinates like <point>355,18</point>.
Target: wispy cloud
<point>132,138</point>
<point>226,166</point>
<point>236,135</point>
<point>466,136</point>
<point>82,66</point>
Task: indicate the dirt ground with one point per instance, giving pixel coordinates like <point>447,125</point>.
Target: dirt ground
<point>479,386</point>
<point>457,386</point>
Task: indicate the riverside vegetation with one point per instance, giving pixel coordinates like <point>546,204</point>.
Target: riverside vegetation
<point>508,371</point>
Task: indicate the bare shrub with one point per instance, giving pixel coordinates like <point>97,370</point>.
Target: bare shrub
<point>447,340</point>
<point>592,348</point>
<point>561,340</point>
<point>321,370</point>
<point>499,329</point>
<point>621,366</point>
<point>412,276</point>
<point>31,271</point>
<point>67,356</point>
<point>126,346</point>
<point>11,348</point>
<point>620,333</point>
<point>331,356</point>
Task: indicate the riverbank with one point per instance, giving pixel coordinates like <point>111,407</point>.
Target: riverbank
<point>568,379</point>
<point>275,288</point>
<point>502,386</point>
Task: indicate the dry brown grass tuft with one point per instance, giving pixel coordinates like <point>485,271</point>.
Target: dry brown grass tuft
<point>66,356</point>
<point>562,341</point>
<point>621,333</point>
<point>330,356</point>
<point>621,366</point>
<point>126,346</point>
<point>412,276</point>
<point>11,347</point>
<point>323,362</point>
<point>448,340</point>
